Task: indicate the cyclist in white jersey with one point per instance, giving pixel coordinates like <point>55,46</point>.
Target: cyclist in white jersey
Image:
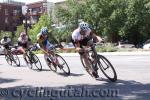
<point>6,42</point>
<point>80,37</point>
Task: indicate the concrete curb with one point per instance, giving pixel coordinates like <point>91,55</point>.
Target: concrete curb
<point>112,53</point>
<point>137,53</point>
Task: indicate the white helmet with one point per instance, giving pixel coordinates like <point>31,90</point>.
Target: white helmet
<point>84,26</point>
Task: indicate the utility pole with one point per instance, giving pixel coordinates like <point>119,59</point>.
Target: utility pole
<point>25,13</point>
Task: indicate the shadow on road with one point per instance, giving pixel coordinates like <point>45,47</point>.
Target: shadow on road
<point>6,80</point>
<point>120,90</point>
<point>3,80</point>
<point>71,74</point>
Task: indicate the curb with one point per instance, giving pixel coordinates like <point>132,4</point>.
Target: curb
<point>104,53</point>
<point>113,54</point>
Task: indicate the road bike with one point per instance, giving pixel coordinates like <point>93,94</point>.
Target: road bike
<point>31,59</point>
<point>56,61</point>
<point>12,57</point>
<point>98,61</point>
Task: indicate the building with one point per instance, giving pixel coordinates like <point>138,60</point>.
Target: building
<point>13,2</point>
<point>11,16</point>
<point>36,9</point>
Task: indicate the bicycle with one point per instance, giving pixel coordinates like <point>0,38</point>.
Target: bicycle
<point>56,61</point>
<point>12,57</point>
<point>31,59</point>
<point>96,60</point>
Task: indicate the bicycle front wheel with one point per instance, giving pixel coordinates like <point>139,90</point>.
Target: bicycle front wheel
<point>107,68</point>
<point>8,59</point>
<point>62,64</point>
<point>36,62</point>
<point>27,59</point>
<point>16,59</point>
<point>89,70</point>
<point>50,64</point>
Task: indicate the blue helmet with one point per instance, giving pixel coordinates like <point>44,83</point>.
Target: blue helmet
<point>44,31</point>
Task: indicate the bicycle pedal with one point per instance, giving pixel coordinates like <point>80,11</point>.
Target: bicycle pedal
<point>60,66</point>
<point>95,75</point>
<point>49,60</point>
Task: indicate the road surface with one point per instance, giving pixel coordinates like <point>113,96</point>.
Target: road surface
<point>23,83</point>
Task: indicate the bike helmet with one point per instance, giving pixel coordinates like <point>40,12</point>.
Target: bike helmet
<point>84,26</point>
<point>22,34</point>
<point>5,36</point>
<point>44,31</point>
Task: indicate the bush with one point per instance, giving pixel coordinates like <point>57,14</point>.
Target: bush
<point>108,47</point>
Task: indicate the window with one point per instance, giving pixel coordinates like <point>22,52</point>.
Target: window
<point>15,12</point>
<point>6,11</point>
<point>6,20</point>
<point>0,7</point>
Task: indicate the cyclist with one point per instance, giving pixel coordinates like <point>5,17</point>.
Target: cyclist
<point>45,45</point>
<point>24,43</point>
<point>6,42</point>
<point>80,37</point>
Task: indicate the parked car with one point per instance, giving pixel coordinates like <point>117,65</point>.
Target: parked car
<point>69,45</point>
<point>125,44</point>
<point>146,45</point>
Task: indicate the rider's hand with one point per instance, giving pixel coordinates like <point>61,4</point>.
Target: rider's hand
<point>60,46</point>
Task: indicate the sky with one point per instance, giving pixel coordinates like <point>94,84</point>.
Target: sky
<point>30,1</point>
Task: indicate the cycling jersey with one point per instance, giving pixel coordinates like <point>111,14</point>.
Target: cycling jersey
<point>76,36</point>
<point>3,42</point>
<point>43,42</point>
<point>23,41</point>
<point>82,39</point>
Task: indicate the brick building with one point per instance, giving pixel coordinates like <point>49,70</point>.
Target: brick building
<point>36,9</point>
<point>11,16</point>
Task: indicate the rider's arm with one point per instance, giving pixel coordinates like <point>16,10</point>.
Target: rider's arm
<point>78,48</point>
<point>96,37</point>
<point>44,51</point>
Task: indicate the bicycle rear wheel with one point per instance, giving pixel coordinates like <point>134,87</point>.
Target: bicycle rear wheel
<point>107,68</point>
<point>63,64</point>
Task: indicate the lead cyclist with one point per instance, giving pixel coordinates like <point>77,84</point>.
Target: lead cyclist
<point>80,37</point>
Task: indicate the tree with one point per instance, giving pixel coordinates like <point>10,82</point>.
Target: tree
<point>116,19</point>
<point>44,21</point>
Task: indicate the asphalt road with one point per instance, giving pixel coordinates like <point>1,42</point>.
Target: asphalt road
<point>23,83</point>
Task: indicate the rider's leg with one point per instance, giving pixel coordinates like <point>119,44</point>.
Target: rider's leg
<point>52,53</point>
<point>94,61</point>
<point>50,48</point>
<point>87,63</point>
<point>23,51</point>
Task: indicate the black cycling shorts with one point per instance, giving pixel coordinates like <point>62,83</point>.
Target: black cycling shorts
<point>83,42</point>
<point>24,45</point>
